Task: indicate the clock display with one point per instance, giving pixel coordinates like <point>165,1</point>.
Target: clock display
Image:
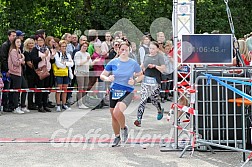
<point>213,49</point>
<point>207,49</point>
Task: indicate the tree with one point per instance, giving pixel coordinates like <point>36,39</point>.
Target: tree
<point>60,16</point>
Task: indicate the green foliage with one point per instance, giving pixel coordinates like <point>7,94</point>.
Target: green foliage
<point>212,15</point>
<point>60,16</point>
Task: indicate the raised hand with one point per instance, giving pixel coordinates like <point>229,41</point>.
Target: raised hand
<point>53,52</point>
<point>131,81</point>
<point>151,65</point>
<point>22,56</point>
<point>111,78</point>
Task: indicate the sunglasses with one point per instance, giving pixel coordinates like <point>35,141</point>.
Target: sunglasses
<point>117,44</point>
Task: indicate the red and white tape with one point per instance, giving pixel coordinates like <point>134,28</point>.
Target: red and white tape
<point>186,89</point>
<point>186,109</point>
<point>48,90</point>
<point>247,160</point>
<point>166,81</point>
<point>51,90</point>
<point>183,129</point>
<point>193,141</point>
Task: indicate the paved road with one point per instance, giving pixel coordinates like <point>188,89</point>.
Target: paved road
<point>83,138</point>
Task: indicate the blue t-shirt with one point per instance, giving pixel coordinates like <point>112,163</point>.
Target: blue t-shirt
<point>122,71</point>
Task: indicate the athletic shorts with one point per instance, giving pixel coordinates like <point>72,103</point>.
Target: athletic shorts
<point>126,99</point>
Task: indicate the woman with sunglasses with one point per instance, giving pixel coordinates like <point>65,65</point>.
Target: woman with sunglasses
<point>113,51</point>
<point>41,56</point>
<point>63,60</point>
<point>120,71</point>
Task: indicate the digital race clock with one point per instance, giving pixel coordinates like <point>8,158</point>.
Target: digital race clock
<point>207,49</point>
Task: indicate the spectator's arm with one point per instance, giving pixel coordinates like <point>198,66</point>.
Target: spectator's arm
<point>3,58</point>
<point>58,62</point>
<point>141,54</point>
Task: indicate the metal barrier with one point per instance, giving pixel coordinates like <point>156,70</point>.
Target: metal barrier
<point>223,118</point>
<point>223,115</point>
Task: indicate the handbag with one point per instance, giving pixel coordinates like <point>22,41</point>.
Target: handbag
<point>42,72</point>
<point>59,72</point>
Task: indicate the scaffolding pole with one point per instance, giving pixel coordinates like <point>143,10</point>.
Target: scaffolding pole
<point>183,23</point>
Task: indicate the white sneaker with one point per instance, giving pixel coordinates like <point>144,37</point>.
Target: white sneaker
<point>25,109</point>
<point>18,111</point>
<point>83,107</point>
<point>65,107</point>
<point>58,109</point>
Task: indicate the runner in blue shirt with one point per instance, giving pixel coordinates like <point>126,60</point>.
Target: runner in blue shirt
<point>121,71</point>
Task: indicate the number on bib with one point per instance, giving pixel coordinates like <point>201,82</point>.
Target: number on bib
<point>117,94</point>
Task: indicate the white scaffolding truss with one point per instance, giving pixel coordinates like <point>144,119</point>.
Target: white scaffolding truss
<point>183,23</point>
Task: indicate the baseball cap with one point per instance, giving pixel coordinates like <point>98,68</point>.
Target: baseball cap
<point>20,33</point>
<point>40,31</point>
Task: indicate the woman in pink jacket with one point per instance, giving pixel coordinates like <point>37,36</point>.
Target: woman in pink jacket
<point>15,61</point>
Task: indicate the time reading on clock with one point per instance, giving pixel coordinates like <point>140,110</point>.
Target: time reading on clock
<point>214,49</point>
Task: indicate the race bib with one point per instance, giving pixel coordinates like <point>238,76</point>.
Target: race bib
<point>117,94</point>
<point>150,80</point>
<point>184,69</point>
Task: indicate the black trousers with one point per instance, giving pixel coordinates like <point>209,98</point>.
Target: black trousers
<point>43,96</point>
<point>5,98</point>
<point>166,85</point>
<point>32,83</point>
<point>18,82</point>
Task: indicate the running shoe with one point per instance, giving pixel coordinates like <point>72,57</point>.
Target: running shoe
<point>160,114</point>
<point>137,122</point>
<point>125,134</point>
<point>58,109</point>
<point>24,109</point>
<point>116,141</point>
<point>65,107</point>
<point>82,106</point>
<point>18,111</point>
